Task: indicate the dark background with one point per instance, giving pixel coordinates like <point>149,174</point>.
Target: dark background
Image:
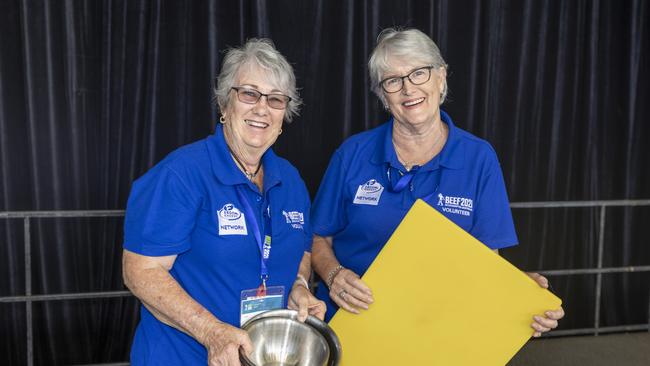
<point>93,93</point>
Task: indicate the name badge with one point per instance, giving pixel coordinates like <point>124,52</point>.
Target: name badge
<point>369,193</point>
<point>253,303</point>
<point>231,221</point>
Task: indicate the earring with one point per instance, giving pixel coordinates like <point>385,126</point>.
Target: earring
<point>386,107</point>
<point>280,132</point>
<point>222,119</point>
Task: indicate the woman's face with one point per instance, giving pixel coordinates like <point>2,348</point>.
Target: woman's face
<point>253,126</point>
<point>414,104</point>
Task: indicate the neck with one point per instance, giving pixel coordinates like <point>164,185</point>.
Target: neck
<point>246,158</point>
<point>416,145</point>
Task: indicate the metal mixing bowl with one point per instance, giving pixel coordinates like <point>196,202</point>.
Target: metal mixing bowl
<point>280,339</point>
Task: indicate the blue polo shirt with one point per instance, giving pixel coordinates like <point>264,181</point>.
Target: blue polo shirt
<point>359,206</point>
<point>188,205</point>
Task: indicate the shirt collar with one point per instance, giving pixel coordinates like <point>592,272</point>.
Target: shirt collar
<point>451,156</point>
<point>226,170</point>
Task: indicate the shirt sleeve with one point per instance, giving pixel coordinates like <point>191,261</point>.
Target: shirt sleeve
<point>307,228</point>
<point>493,224</point>
<point>328,214</point>
<point>309,234</point>
<point>161,214</point>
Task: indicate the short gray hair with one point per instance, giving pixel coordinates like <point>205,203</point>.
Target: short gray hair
<point>408,43</point>
<point>262,53</point>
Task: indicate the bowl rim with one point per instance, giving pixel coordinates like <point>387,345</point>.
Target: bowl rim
<point>320,326</point>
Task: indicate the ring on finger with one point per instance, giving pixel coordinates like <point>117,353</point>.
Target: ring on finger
<point>342,294</point>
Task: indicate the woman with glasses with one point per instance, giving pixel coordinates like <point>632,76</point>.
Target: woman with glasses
<point>374,178</point>
<point>219,230</point>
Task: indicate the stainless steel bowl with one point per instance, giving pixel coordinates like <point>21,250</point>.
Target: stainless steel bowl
<point>280,339</point>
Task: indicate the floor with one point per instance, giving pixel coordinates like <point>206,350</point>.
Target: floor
<point>628,349</point>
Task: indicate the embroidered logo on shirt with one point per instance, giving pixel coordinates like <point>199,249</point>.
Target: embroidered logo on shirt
<point>456,205</point>
<point>369,193</point>
<point>231,221</point>
<point>295,218</point>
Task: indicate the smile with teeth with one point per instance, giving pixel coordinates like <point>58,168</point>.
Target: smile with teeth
<point>413,102</point>
<point>256,124</point>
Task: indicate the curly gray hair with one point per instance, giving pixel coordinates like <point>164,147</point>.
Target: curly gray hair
<point>410,44</point>
<point>262,53</point>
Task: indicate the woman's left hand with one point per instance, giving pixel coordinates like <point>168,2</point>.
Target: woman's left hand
<point>548,321</point>
<point>306,303</point>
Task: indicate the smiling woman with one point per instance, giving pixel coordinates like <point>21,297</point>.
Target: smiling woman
<point>207,245</point>
<point>418,154</point>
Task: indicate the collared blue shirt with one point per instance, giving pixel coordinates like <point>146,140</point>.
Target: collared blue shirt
<point>355,204</point>
<point>187,205</point>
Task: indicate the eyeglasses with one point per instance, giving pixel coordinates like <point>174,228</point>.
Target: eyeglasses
<point>417,77</point>
<point>252,96</point>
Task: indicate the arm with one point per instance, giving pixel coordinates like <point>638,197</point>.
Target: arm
<point>347,290</point>
<point>301,298</point>
<point>149,280</point>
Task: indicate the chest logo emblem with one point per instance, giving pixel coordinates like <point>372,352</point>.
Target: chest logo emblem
<point>231,221</point>
<point>456,205</point>
<point>294,218</point>
<point>369,193</point>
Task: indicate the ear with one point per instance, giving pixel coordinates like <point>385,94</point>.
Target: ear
<point>442,77</point>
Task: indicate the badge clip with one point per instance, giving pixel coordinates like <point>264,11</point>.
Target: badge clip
<point>261,291</point>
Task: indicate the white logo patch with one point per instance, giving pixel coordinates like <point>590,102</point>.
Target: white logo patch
<point>231,221</point>
<point>456,205</point>
<point>295,218</point>
<point>369,193</point>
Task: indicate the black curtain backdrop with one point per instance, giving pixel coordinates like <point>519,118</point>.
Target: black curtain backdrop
<point>93,93</point>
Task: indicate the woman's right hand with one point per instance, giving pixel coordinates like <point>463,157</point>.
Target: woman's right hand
<point>223,343</point>
<point>349,292</point>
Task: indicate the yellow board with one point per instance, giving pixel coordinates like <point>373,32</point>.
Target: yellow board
<point>441,298</point>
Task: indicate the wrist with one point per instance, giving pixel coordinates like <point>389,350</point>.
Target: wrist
<point>332,274</point>
<point>209,329</point>
<point>301,280</point>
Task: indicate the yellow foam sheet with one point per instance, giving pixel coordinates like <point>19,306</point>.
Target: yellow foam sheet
<point>441,298</point>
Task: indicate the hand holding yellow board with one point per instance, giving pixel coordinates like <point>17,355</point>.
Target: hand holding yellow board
<point>441,298</point>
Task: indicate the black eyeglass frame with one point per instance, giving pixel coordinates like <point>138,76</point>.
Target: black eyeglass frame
<point>428,68</point>
<point>238,88</point>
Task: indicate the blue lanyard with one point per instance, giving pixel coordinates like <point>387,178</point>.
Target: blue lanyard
<point>403,181</point>
<point>407,178</point>
<point>265,245</point>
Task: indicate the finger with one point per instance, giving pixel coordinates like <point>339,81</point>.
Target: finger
<point>292,305</point>
<point>548,323</point>
<point>343,304</point>
<point>540,328</point>
<point>541,280</point>
<point>303,312</point>
<point>555,314</point>
<point>348,278</point>
<point>234,358</point>
<point>361,296</point>
<point>358,284</point>
<point>537,334</point>
<point>229,355</point>
<point>357,303</point>
<point>299,303</point>
<point>318,310</point>
<point>245,343</point>
<point>304,300</point>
